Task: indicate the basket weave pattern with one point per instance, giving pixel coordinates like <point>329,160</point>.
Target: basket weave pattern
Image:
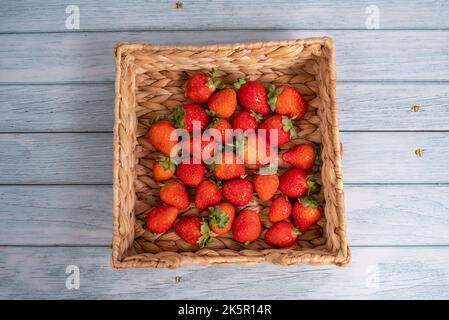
<point>150,81</point>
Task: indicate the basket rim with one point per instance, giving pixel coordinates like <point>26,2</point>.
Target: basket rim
<point>133,46</point>
<point>340,257</point>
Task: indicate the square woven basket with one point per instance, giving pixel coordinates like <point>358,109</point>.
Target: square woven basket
<point>150,81</point>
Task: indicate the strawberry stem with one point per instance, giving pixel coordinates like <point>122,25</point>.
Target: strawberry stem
<point>205,233</point>
<point>273,94</point>
<point>218,216</point>
<point>239,83</point>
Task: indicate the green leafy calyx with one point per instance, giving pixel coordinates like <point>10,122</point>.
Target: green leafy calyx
<point>307,201</point>
<point>205,233</point>
<point>288,126</point>
<point>273,94</point>
<point>156,119</point>
<point>218,216</point>
<point>256,116</point>
<point>177,117</point>
<point>166,163</point>
<point>311,185</point>
<point>239,83</point>
<point>214,83</point>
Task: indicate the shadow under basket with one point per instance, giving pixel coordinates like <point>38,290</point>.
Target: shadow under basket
<point>150,80</point>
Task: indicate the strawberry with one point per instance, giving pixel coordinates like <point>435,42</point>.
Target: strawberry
<point>201,150</point>
<point>159,136</point>
<point>238,191</point>
<point>265,185</point>
<point>227,170</point>
<point>295,182</point>
<point>193,230</point>
<point>185,115</point>
<point>282,124</point>
<point>246,120</point>
<point>174,194</point>
<point>163,168</point>
<point>190,173</point>
<point>221,217</point>
<point>282,234</point>
<point>252,96</point>
<point>255,151</point>
<point>247,226</point>
<point>280,209</point>
<point>207,195</point>
<point>286,100</point>
<point>200,86</point>
<point>306,212</point>
<point>160,219</point>
<point>223,103</point>
<point>301,156</point>
<point>224,127</point>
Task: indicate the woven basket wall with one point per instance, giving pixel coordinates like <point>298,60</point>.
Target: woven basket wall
<point>150,81</point>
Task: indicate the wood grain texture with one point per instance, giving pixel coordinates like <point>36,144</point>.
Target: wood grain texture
<point>361,55</point>
<point>202,14</point>
<point>62,158</point>
<point>85,158</point>
<point>53,108</point>
<point>374,273</point>
<point>55,215</point>
<point>382,215</point>
<point>387,106</point>
<point>89,107</point>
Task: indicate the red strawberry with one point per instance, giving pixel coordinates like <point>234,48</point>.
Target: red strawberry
<point>159,136</point>
<point>286,100</point>
<point>201,150</point>
<point>238,191</point>
<point>224,127</point>
<point>174,194</point>
<point>301,156</point>
<point>257,151</point>
<point>185,115</point>
<point>190,173</point>
<point>160,219</point>
<point>163,168</point>
<point>247,226</point>
<point>200,86</point>
<point>280,209</point>
<point>252,96</point>
<point>207,195</point>
<point>282,124</point>
<point>265,185</point>
<point>246,120</point>
<point>295,182</point>
<point>193,230</point>
<point>282,234</point>
<point>306,212</point>
<point>230,167</point>
<point>221,217</point>
<point>223,103</point>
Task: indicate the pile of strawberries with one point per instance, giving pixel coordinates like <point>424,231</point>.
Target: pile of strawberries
<point>229,191</point>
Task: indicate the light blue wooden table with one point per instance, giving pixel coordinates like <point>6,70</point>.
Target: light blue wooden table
<point>56,101</point>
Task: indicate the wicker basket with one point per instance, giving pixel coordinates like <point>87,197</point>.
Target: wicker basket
<point>149,82</point>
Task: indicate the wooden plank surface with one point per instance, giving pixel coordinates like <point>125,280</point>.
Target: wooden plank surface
<point>62,158</point>
<point>374,273</point>
<point>361,55</point>
<point>55,215</point>
<point>221,14</point>
<point>89,107</point>
<point>53,108</point>
<point>377,215</point>
<point>85,158</point>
